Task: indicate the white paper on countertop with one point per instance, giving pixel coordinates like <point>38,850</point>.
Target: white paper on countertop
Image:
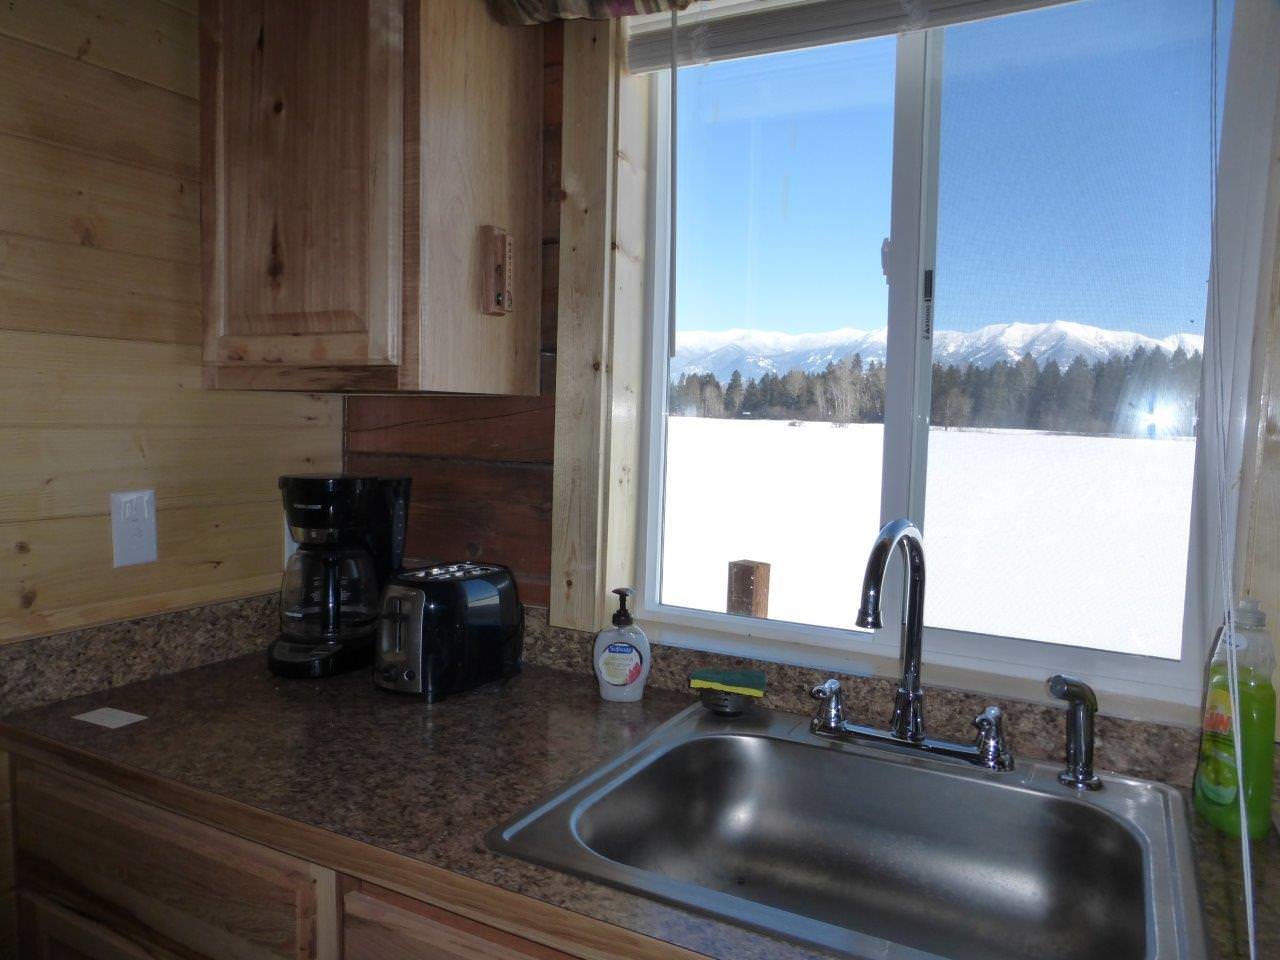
<point>109,717</point>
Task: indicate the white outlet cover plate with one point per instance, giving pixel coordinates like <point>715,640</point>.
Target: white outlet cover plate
<point>133,527</point>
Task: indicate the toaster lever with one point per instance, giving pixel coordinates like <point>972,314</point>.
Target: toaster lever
<point>398,617</point>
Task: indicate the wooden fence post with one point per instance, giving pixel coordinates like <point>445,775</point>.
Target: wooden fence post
<point>748,588</point>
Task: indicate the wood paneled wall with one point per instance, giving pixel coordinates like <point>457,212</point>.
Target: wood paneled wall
<point>100,379</point>
<point>481,466</point>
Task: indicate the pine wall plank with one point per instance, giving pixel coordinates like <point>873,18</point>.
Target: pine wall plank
<point>476,510</point>
<point>186,466</point>
<point>481,470</point>
<point>100,375</point>
<point>56,381</point>
<point>59,575</point>
<point>52,193</point>
<point>478,428</point>
<point>80,290</point>
<point>145,39</point>
<point>56,99</point>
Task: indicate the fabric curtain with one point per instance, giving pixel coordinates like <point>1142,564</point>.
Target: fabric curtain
<point>516,12</point>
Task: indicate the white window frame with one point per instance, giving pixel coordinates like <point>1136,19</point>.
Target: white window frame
<point>1144,687</point>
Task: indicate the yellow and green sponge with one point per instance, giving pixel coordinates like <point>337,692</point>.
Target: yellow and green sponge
<point>747,683</point>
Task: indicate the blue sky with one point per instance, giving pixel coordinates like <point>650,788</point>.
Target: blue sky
<point>1073,185</point>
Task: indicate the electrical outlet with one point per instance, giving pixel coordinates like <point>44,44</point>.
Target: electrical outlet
<point>133,527</point>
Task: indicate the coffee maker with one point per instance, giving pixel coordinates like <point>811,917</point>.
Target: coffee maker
<point>350,533</point>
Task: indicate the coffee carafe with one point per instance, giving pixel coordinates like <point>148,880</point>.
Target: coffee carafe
<point>350,533</point>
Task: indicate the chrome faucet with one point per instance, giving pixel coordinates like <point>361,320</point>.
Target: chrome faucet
<point>1083,704</point>
<point>906,727</point>
<point>907,722</point>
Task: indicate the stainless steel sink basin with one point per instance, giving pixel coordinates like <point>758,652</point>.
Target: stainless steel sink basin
<point>872,853</point>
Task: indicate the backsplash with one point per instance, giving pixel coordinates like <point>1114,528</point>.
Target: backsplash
<point>1036,731</point>
<point>42,670</point>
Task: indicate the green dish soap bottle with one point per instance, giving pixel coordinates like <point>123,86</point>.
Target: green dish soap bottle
<point>1216,785</point>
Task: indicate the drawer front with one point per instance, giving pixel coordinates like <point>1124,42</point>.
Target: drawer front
<point>382,925</point>
<point>52,932</point>
<point>163,881</point>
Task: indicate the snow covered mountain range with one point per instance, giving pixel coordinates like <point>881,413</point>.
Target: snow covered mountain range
<point>756,353</point>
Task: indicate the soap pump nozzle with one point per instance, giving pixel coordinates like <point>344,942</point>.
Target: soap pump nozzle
<point>622,616</point>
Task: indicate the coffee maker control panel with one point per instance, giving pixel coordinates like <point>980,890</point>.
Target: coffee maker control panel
<point>399,657</point>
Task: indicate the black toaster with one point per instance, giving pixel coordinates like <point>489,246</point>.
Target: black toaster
<point>448,627</point>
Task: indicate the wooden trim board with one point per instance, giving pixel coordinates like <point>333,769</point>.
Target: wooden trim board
<point>602,300</point>
<point>591,53</point>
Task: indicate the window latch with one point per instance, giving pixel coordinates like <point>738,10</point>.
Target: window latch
<point>926,299</point>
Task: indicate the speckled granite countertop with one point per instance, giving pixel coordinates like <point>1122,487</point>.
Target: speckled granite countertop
<point>426,782</point>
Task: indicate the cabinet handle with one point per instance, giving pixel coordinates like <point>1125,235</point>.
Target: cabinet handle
<point>498,254</point>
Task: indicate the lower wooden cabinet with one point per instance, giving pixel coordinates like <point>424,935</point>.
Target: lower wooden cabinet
<point>8,925</point>
<point>378,924</point>
<point>102,876</point>
<point>8,897</point>
<point>166,884</point>
<point>51,932</point>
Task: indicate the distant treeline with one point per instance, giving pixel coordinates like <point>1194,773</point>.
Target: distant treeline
<point>1146,392</point>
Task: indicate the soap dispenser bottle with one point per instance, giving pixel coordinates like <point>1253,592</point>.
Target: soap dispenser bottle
<point>1216,793</point>
<point>622,655</point>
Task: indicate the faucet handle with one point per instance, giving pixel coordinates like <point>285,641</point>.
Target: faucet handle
<point>830,716</point>
<point>993,749</point>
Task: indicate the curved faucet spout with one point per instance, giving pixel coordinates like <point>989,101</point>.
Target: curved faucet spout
<point>900,535</point>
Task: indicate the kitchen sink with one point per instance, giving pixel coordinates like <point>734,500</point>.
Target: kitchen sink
<point>872,852</point>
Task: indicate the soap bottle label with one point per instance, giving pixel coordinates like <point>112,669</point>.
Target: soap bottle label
<point>620,664</point>
<point>1216,778</point>
<point>1217,712</point>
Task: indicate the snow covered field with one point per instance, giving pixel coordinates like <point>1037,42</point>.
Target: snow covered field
<point>1068,539</point>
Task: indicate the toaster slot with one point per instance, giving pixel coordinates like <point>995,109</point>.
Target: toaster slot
<point>398,664</point>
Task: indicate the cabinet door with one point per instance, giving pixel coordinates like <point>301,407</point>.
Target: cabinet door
<point>51,932</point>
<point>475,116</point>
<point>302,152</point>
<point>156,878</point>
<point>381,925</point>
<point>8,898</point>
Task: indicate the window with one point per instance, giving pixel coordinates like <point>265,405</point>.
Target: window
<point>1073,234</point>
<point>1018,369</point>
<point>784,202</point>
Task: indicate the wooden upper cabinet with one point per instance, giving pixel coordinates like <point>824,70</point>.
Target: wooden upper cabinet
<point>353,151</point>
<point>303,144</point>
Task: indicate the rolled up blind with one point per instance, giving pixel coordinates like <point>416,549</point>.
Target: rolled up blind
<point>726,29</point>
